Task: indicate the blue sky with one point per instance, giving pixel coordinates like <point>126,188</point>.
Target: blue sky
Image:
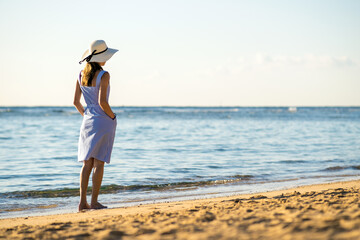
<point>187,53</point>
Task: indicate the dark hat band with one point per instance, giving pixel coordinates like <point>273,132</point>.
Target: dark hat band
<point>88,58</point>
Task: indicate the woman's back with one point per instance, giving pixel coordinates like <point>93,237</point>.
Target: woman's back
<point>93,80</point>
<point>91,94</point>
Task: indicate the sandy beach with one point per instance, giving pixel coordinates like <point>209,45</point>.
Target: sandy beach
<point>324,211</point>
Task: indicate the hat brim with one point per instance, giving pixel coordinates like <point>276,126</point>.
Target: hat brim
<point>102,57</point>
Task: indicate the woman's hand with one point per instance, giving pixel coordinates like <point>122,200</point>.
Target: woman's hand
<point>77,97</point>
<point>104,83</point>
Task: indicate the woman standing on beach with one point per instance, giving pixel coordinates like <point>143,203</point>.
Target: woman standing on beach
<point>98,127</point>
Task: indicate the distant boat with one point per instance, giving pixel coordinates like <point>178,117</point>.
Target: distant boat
<point>292,109</point>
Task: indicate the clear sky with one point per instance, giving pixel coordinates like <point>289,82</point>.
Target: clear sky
<point>185,53</point>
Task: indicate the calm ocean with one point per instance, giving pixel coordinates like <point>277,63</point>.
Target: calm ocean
<point>174,153</point>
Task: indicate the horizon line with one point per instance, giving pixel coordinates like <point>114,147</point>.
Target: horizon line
<point>205,106</point>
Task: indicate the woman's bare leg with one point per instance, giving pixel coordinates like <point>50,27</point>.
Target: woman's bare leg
<point>96,181</point>
<point>84,182</point>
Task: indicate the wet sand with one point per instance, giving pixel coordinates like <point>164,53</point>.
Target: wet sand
<point>323,211</point>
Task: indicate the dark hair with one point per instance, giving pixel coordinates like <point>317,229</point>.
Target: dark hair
<point>89,73</point>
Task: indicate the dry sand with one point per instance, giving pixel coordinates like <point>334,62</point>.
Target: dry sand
<point>324,211</point>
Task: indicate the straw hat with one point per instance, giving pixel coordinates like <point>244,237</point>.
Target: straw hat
<point>98,52</point>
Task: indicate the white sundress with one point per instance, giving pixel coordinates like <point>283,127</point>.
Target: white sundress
<point>97,130</point>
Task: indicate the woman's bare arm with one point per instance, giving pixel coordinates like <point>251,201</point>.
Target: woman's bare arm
<point>77,97</point>
<point>104,83</point>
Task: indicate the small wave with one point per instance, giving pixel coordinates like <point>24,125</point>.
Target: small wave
<point>201,110</point>
<point>292,109</point>
<point>111,189</point>
<point>31,175</point>
<point>5,138</point>
<point>220,149</point>
<point>238,176</point>
<point>38,111</point>
<point>338,168</point>
<point>335,168</point>
<point>4,110</point>
<point>144,127</point>
<point>214,166</point>
<point>64,112</point>
<point>219,110</point>
<point>292,161</point>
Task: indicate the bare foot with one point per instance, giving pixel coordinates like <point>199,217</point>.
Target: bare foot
<point>97,206</point>
<point>83,206</point>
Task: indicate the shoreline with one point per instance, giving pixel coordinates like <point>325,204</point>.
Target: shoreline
<point>285,203</point>
<point>44,206</point>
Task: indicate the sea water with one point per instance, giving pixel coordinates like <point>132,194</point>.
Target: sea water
<point>174,153</point>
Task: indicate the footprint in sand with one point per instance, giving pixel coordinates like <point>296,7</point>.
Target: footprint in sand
<point>80,235</point>
<point>116,233</point>
<point>168,232</point>
<point>145,231</point>
<point>207,217</point>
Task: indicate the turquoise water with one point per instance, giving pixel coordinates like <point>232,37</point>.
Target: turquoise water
<point>174,153</point>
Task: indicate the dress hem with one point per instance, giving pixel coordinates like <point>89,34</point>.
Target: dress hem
<point>94,158</point>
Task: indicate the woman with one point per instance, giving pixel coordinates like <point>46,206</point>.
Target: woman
<point>97,131</point>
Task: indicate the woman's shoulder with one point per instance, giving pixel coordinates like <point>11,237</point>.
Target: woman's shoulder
<point>105,78</point>
<point>105,75</point>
